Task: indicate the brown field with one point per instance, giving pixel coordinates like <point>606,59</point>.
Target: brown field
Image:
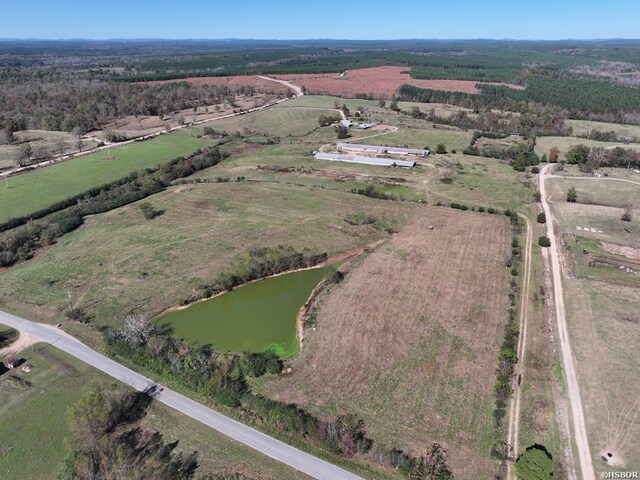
<point>259,84</point>
<point>379,81</point>
<point>409,340</point>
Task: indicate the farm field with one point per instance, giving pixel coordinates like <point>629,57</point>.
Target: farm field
<point>426,370</point>
<point>35,435</point>
<point>118,263</point>
<point>37,189</point>
<point>232,82</point>
<point>583,127</point>
<point>377,81</point>
<point>544,144</point>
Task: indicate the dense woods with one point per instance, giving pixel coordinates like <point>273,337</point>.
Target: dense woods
<point>83,105</point>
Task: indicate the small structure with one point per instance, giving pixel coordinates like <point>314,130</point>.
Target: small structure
<point>381,161</point>
<point>27,368</point>
<point>364,126</point>
<point>11,362</point>
<point>346,123</point>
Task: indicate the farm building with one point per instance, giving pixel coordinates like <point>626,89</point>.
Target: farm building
<point>11,362</point>
<point>386,162</point>
<point>364,126</point>
<point>346,123</point>
<point>356,147</point>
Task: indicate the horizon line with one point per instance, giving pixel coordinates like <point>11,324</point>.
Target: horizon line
<point>228,39</point>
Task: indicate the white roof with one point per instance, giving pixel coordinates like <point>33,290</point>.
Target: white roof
<point>387,162</point>
<point>382,149</point>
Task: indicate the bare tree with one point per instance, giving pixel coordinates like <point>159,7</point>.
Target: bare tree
<point>136,330</point>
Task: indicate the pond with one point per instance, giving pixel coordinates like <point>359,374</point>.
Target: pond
<point>256,317</point>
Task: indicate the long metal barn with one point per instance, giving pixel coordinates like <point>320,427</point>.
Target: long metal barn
<point>357,147</point>
<point>385,162</point>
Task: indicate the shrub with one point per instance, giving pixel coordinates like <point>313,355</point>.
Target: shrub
<point>572,196</point>
<point>534,464</point>
<point>491,210</point>
<point>542,218</point>
<point>441,148</point>
<point>544,241</point>
<point>535,170</point>
<point>149,211</point>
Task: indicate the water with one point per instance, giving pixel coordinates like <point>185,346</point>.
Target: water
<point>256,317</point>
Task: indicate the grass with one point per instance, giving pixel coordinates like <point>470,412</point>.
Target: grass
<point>544,144</point>
<point>425,371</point>
<point>34,190</point>
<point>35,436</point>
<point>583,127</point>
<point>119,263</point>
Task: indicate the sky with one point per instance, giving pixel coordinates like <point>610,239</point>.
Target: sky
<point>304,19</point>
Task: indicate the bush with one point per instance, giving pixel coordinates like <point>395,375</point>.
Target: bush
<point>149,211</point>
<point>572,196</point>
<point>542,218</point>
<point>544,241</point>
<point>534,464</point>
<point>535,170</point>
<point>441,148</point>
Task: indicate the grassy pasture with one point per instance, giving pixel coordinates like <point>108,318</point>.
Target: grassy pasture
<point>597,191</point>
<point>35,436</point>
<point>406,343</point>
<point>37,189</point>
<point>544,144</point>
<point>583,127</point>
<point>119,263</point>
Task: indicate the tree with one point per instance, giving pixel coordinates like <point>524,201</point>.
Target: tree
<point>431,465</point>
<point>572,196</point>
<point>382,103</point>
<point>544,241</point>
<point>554,153</point>
<point>577,154</point>
<point>534,464</point>
<point>25,154</point>
<point>441,148</point>
<point>394,106</point>
<point>537,197</point>
<point>345,109</point>
<point>415,112</point>
<point>343,132</point>
<point>6,136</point>
<point>149,211</point>
<point>544,158</point>
<point>136,330</point>
<point>626,216</point>
<point>542,218</point>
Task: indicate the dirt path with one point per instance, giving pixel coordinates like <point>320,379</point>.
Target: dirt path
<point>24,341</point>
<point>16,171</point>
<point>514,407</point>
<point>571,376</point>
<point>595,178</point>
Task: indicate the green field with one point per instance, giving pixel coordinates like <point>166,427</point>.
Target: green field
<point>583,127</point>
<point>34,190</point>
<point>35,436</point>
<point>544,144</point>
<point>119,263</point>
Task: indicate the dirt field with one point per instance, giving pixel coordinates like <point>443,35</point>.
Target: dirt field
<point>379,81</point>
<point>409,341</point>
<point>259,84</point>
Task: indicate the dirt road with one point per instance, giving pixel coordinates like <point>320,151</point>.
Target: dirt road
<point>570,374</point>
<point>514,407</point>
<point>298,93</point>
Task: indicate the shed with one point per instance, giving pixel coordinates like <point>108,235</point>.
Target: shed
<point>346,123</point>
<point>11,361</point>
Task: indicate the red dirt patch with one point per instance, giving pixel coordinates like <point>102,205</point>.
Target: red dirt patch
<point>377,81</point>
<point>259,84</point>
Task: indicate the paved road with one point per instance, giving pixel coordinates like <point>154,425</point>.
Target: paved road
<point>573,390</point>
<point>514,407</point>
<point>312,466</point>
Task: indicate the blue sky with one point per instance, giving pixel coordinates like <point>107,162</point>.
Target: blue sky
<point>303,19</point>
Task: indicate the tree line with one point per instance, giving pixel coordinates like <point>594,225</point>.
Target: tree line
<point>23,236</point>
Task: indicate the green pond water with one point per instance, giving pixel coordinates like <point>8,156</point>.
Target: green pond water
<point>256,317</point>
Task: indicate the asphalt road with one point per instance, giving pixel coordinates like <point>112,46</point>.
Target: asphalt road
<point>312,466</point>
<point>571,376</point>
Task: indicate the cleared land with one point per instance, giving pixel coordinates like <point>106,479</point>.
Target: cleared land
<point>409,340</point>
<point>34,190</point>
<point>118,263</point>
<point>544,144</point>
<point>378,81</point>
<point>602,312</point>
<point>35,435</point>
<point>583,127</point>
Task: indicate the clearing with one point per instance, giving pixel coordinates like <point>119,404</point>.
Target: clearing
<point>409,340</point>
<point>381,82</point>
